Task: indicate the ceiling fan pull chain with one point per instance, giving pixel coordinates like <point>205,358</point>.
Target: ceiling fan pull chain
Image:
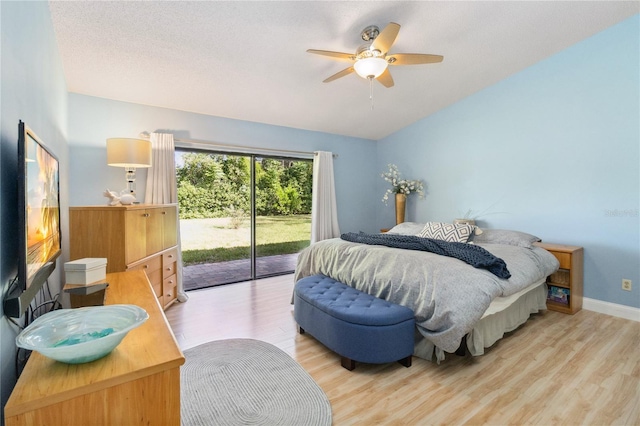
<point>370,78</point>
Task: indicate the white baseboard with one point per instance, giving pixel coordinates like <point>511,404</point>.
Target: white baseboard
<point>620,311</point>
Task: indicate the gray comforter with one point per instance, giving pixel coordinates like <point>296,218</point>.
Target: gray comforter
<point>447,295</point>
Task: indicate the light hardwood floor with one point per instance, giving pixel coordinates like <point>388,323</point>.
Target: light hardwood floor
<point>556,369</point>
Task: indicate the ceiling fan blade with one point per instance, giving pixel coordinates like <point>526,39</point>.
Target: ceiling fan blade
<point>386,79</point>
<point>386,38</point>
<point>338,75</point>
<point>338,55</point>
<point>413,59</point>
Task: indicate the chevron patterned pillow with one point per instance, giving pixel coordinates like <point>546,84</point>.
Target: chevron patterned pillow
<point>457,233</point>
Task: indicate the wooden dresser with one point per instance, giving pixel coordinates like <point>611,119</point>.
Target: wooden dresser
<point>135,237</point>
<point>136,384</point>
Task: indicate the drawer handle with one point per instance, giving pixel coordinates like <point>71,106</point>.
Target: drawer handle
<point>146,215</point>
<point>164,212</point>
<point>170,281</point>
<point>170,256</point>
<point>145,266</point>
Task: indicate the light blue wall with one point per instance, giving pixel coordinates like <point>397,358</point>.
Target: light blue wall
<point>93,120</point>
<point>553,150</point>
<point>33,90</point>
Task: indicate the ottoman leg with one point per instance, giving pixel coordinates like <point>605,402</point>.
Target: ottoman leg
<point>348,363</point>
<point>406,361</point>
<point>300,330</point>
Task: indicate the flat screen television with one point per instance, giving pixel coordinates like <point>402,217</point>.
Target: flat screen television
<point>39,239</point>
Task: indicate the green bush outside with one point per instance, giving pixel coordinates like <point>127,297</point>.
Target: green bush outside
<point>214,199</point>
<point>211,185</point>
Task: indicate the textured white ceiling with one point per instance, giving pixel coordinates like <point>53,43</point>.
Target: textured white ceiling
<point>248,60</point>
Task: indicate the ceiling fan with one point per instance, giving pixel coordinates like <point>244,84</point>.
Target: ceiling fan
<point>371,59</point>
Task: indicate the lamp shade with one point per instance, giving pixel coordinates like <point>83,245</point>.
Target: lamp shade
<point>124,152</point>
<point>370,67</point>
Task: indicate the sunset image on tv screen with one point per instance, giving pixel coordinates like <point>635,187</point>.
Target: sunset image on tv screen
<point>43,229</point>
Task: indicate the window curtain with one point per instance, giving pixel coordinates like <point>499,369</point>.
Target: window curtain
<point>324,211</point>
<point>162,187</point>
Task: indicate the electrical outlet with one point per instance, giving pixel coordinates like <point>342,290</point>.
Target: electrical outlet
<point>626,284</point>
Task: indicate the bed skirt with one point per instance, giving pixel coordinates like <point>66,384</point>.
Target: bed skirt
<point>505,314</point>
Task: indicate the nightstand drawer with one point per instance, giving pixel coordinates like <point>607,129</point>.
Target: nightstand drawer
<point>563,258</point>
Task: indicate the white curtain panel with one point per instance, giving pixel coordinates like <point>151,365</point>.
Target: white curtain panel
<point>162,188</point>
<point>324,211</point>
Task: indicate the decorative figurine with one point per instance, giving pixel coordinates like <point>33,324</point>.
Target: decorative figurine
<point>114,199</point>
<point>127,199</point>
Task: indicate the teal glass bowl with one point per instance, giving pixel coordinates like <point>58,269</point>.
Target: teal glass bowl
<point>76,336</point>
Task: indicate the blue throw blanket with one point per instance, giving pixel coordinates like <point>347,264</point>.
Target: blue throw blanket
<point>475,256</point>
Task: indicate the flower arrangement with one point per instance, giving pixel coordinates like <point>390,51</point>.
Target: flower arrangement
<point>401,186</point>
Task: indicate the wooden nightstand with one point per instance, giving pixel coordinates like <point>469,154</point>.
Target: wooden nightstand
<point>568,279</point>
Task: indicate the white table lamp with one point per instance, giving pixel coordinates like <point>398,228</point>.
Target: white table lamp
<point>130,154</point>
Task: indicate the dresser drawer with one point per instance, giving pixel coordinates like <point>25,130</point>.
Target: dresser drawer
<point>168,269</point>
<point>152,267</point>
<point>170,289</point>
<point>155,278</point>
<point>170,256</point>
<point>169,263</point>
<point>149,264</point>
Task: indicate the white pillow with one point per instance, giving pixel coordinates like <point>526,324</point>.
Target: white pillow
<point>506,236</point>
<point>457,233</point>
<point>407,228</point>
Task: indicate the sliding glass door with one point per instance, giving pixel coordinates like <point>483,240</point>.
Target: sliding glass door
<point>215,217</point>
<point>283,213</point>
<point>242,216</point>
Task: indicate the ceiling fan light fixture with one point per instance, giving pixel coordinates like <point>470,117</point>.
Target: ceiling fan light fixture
<point>370,67</point>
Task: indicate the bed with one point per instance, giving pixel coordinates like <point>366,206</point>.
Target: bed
<point>454,303</point>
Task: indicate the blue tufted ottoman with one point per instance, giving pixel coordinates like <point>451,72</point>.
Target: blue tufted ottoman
<point>356,325</point>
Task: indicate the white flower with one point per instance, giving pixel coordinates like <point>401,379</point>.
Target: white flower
<point>400,186</point>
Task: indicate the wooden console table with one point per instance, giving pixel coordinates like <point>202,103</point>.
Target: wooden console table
<point>136,384</point>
